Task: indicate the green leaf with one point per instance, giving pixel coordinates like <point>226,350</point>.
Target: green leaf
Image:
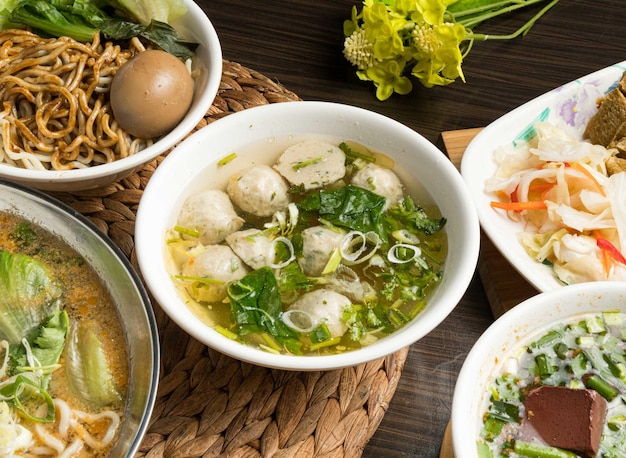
<point>43,16</point>
<point>165,37</point>
<point>408,214</point>
<point>143,11</point>
<point>20,390</point>
<point>256,305</point>
<point>81,19</point>
<point>291,278</point>
<point>29,295</point>
<point>87,369</point>
<point>351,207</point>
<point>46,345</point>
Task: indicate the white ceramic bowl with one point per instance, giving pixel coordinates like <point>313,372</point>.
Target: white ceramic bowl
<point>520,326</point>
<point>206,63</point>
<point>127,292</point>
<point>573,104</point>
<point>192,166</point>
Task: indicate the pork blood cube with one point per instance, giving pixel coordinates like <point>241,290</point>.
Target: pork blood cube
<point>566,418</point>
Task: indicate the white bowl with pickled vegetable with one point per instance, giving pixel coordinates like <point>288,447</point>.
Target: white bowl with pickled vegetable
<point>244,147</point>
<point>573,337</point>
<point>92,154</point>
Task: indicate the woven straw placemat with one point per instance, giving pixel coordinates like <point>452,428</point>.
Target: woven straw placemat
<point>209,404</point>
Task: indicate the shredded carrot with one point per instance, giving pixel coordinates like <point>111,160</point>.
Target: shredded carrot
<point>607,262</point>
<point>520,206</point>
<point>588,174</point>
<point>540,187</point>
<point>605,257</point>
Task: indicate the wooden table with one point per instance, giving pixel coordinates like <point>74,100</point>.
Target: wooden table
<point>298,44</point>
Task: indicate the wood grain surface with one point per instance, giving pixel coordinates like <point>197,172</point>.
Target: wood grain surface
<point>504,286</point>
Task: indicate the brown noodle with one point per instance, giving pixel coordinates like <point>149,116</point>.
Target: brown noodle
<point>54,94</point>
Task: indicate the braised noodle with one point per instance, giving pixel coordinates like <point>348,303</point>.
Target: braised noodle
<point>54,93</point>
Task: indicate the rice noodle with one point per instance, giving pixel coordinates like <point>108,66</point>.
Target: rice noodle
<point>54,103</point>
<point>72,431</point>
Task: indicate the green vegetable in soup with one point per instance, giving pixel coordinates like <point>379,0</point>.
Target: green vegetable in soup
<point>88,372</point>
<point>29,295</point>
<point>350,207</point>
<point>256,307</point>
<point>45,346</point>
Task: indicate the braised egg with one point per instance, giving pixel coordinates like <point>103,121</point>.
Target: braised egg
<point>151,93</point>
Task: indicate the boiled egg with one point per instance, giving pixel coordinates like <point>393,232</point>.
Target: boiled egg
<point>151,93</point>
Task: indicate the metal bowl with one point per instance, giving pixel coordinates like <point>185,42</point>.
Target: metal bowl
<point>127,293</point>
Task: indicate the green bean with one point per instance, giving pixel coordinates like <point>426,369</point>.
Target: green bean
<point>540,451</point>
<point>595,382</point>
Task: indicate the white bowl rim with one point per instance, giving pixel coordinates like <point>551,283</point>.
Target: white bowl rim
<point>535,306</point>
<point>145,245</point>
<point>192,118</point>
<point>497,228</point>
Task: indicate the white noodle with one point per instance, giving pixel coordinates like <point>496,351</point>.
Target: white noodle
<point>73,449</point>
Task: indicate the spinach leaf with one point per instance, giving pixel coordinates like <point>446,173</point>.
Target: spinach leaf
<point>256,306</point>
<point>351,207</point>
<point>291,278</point>
<point>408,214</point>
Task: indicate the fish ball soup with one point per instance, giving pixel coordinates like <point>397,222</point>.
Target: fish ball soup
<point>63,363</point>
<point>319,250</point>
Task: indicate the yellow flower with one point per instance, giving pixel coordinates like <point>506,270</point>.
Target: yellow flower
<point>388,79</point>
<point>358,50</point>
<point>390,40</point>
<point>437,53</point>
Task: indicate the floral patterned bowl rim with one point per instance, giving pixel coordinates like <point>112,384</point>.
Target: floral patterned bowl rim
<point>574,104</point>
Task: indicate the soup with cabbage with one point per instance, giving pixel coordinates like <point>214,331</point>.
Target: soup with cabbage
<point>63,372</point>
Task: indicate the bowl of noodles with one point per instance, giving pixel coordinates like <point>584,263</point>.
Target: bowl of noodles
<point>78,337</point>
<point>306,236</point>
<point>59,132</point>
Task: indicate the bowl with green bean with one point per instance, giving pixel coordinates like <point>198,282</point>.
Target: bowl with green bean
<point>547,379</point>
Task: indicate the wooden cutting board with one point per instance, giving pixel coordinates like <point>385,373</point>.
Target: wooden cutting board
<point>504,286</point>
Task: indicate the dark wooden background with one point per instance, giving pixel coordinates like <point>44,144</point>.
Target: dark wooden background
<point>299,44</point>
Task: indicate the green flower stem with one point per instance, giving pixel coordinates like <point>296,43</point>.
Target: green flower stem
<point>489,9</point>
<point>523,30</point>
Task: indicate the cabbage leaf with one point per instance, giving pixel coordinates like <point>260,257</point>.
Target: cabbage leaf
<point>144,11</point>
<point>29,295</point>
<point>87,370</point>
